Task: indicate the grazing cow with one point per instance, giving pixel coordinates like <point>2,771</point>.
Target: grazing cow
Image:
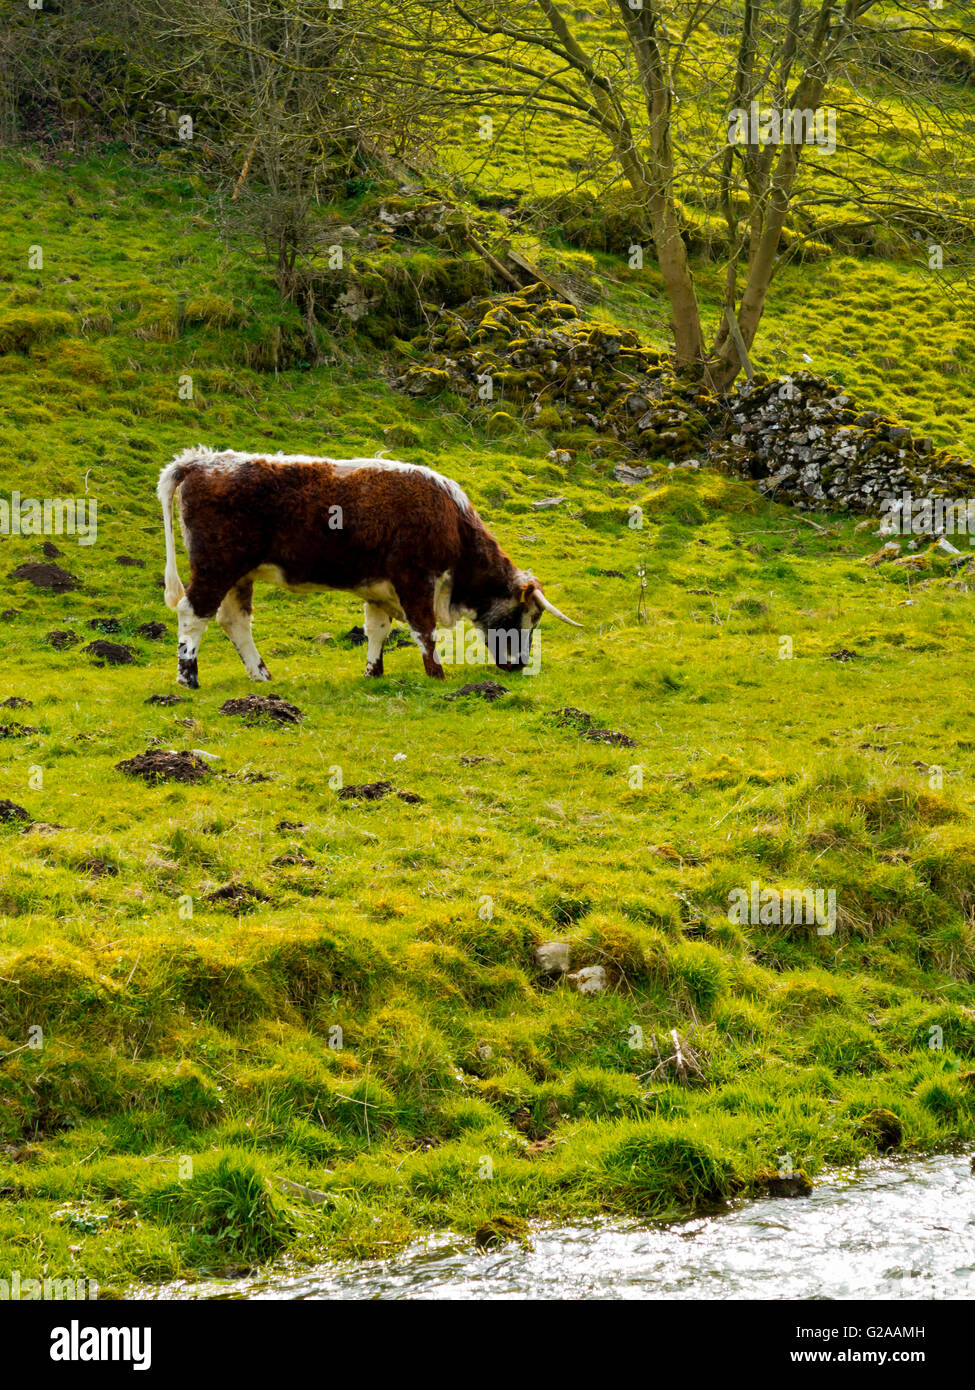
<point>403,538</point>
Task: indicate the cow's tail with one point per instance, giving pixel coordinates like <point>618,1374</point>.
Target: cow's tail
<point>169,480</point>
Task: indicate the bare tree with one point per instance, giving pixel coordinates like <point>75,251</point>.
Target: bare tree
<point>659,85</point>
<point>276,97</point>
<point>268,84</point>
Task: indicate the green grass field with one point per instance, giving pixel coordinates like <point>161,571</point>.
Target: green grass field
<point>362,1049</point>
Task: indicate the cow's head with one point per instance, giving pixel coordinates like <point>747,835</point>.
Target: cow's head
<point>509,621</point>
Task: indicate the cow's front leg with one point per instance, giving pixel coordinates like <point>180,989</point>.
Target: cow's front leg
<point>419,615</point>
<point>376,623</point>
<point>427,642</point>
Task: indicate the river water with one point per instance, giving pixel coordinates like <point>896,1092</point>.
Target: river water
<point>886,1230</point>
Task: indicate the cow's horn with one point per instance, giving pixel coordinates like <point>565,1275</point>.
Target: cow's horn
<point>551,608</point>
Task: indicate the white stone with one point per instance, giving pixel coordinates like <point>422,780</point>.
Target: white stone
<point>552,957</point>
<point>590,980</point>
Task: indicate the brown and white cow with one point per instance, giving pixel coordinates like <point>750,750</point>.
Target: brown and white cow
<point>403,538</point>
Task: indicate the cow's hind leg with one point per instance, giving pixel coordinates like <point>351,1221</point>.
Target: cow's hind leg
<point>234,616</point>
<point>191,628</point>
<point>376,623</point>
<point>195,611</point>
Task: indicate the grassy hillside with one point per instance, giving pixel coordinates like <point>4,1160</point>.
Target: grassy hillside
<point>353,1044</point>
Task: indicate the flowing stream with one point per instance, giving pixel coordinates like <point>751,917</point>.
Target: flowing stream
<point>902,1229</point>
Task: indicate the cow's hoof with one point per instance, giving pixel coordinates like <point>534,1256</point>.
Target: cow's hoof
<point>261,674</point>
<point>189,679</point>
<point>374,668</point>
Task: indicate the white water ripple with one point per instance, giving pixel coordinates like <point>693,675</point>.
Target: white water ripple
<point>886,1230</point>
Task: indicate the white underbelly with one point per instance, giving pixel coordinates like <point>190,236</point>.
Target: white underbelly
<point>378,591</point>
<point>274,574</point>
<point>382,593</point>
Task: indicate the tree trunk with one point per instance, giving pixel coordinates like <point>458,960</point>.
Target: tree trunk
<point>769,213</point>
<point>675,269</point>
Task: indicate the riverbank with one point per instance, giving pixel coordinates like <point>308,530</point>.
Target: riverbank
<point>889,1230</point>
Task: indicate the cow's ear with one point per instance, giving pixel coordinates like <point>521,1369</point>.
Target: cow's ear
<point>525,591</point>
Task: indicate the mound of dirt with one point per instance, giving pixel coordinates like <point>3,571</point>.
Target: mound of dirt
<point>356,637</point>
<point>375,791</point>
<point>97,867</point>
<point>17,730</point>
<point>50,551</point>
<point>10,811</point>
<point>571,718</point>
<point>167,700</point>
<point>20,1153</point>
<point>488,690</point>
<point>60,640</point>
<point>110,653</point>
<point>238,895</point>
<point>46,577</point>
<point>255,707</point>
<point>611,736</point>
<point>130,560</point>
<point>152,631</point>
<point>366,791</point>
<point>16,702</point>
<point>106,625</point>
<point>294,859</point>
<point>165,765</point>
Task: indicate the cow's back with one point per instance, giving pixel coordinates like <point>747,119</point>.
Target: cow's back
<point>324,522</point>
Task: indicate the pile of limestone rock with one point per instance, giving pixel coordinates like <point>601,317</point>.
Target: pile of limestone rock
<point>803,440</point>
<point>808,443</point>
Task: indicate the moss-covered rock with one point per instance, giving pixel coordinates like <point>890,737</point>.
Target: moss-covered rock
<point>500,1231</point>
<point>883,1128</point>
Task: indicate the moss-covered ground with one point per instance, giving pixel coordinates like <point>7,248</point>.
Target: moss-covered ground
<point>363,1049</point>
